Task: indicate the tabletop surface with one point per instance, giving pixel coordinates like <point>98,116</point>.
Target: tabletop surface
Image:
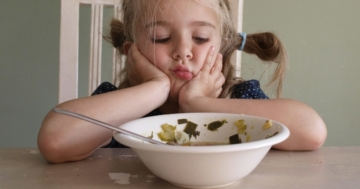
<point>328,167</point>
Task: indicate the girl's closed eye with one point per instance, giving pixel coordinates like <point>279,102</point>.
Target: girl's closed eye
<point>200,39</point>
<point>167,39</point>
<point>160,39</point>
<point>159,34</point>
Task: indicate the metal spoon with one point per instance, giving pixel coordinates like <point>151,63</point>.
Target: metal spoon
<point>120,130</point>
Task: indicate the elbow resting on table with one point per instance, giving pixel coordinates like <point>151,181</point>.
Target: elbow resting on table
<point>314,142</point>
<point>55,150</point>
<point>312,138</point>
<point>50,150</point>
<point>316,136</point>
<point>55,153</point>
<point>57,144</point>
<point>309,144</point>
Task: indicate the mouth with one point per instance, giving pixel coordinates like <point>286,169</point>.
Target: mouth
<point>183,74</point>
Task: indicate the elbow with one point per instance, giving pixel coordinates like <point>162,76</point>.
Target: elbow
<point>307,128</point>
<point>50,154</point>
<point>315,137</point>
<point>57,151</point>
<point>50,150</point>
<point>318,137</point>
<point>313,143</point>
<point>56,144</point>
<point>49,142</point>
<point>315,134</point>
<point>311,136</point>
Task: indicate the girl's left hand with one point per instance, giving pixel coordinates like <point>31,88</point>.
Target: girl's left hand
<point>207,83</point>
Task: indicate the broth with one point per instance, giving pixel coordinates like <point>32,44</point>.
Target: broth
<point>206,144</point>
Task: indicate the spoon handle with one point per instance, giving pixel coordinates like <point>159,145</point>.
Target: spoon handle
<point>97,122</point>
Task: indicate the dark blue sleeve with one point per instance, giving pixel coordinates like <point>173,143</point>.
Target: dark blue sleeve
<point>248,90</point>
<point>104,88</point>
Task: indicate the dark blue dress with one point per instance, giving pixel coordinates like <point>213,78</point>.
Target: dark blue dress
<point>246,90</point>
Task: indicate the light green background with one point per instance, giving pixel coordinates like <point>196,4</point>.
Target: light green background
<point>322,39</point>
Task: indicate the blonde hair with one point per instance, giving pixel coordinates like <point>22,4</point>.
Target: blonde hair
<point>266,46</point>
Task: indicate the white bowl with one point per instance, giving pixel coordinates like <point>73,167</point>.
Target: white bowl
<point>203,166</point>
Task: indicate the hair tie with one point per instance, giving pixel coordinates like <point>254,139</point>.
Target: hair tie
<point>243,35</point>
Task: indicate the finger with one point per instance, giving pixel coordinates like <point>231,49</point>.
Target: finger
<point>209,60</point>
<point>217,65</point>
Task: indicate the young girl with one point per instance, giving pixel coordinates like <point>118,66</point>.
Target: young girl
<point>178,60</point>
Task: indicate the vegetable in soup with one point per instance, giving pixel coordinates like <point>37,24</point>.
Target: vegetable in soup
<point>170,134</point>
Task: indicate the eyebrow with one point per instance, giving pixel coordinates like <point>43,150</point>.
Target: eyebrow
<point>203,23</point>
<point>157,23</point>
<point>165,23</point>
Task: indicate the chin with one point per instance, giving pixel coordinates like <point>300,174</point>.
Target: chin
<point>174,96</point>
<point>175,90</point>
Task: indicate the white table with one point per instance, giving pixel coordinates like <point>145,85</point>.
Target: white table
<point>329,167</point>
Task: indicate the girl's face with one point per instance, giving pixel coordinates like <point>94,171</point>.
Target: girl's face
<point>177,39</point>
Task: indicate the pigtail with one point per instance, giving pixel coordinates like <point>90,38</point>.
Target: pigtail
<point>117,35</point>
<point>268,47</point>
<point>122,32</point>
<point>117,38</point>
<point>265,45</point>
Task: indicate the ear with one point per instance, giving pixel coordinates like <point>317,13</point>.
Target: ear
<point>126,47</point>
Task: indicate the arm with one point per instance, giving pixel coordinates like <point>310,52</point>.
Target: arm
<point>307,129</point>
<point>62,138</point>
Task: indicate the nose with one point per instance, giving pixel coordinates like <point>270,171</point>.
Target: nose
<point>182,50</point>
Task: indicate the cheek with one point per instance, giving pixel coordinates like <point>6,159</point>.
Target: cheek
<point>200,55</point>
<point>156,56</point>
<point>160,61</point>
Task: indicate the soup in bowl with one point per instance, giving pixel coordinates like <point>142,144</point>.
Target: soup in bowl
<point>215,149</point>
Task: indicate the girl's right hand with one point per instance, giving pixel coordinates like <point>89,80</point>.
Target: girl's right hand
<point>141,70</point>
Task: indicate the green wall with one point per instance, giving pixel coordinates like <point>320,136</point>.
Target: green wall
<point>322,39</point>
<point>323,43</point>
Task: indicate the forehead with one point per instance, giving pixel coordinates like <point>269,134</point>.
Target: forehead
<point>175,10</point>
